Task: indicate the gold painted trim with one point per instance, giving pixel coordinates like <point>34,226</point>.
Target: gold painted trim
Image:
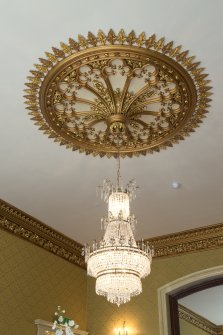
<point>23,225</point>
<point>199,239</point>
<point>199,321</point>
<point>172,79</point>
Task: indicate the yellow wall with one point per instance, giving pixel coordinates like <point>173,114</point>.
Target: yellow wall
<point>187,328</point>
<point>33,282</point>
<point>141,314</point>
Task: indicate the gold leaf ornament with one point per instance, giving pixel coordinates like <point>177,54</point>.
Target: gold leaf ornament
<point>74,96</point>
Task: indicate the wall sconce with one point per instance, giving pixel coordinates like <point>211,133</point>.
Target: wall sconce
<point>122,331</point>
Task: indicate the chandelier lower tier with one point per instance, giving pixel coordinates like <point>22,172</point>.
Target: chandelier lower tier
<point>118,271</point>
<point>117,262</point>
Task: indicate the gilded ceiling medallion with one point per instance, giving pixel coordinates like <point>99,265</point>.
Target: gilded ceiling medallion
<point>117,94</point>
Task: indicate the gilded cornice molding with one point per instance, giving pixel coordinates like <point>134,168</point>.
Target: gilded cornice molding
<point>199,239</point>
<point>23,225</point>
<point>198,321</point>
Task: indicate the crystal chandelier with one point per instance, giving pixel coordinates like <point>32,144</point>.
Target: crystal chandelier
<point>117,261</point>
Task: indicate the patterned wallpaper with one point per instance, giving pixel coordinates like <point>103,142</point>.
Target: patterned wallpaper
<point>33,282</point>
<point>141,314</point>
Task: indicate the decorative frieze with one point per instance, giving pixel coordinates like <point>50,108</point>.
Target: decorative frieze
<point>33,230</point>
<point>23,225</point>
<point>198,321</point>
<point>199,239</point>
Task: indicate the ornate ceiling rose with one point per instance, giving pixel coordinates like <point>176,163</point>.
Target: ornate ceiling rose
<point>117,94</point>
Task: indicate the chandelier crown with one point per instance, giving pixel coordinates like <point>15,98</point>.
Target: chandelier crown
<point>118,205</point>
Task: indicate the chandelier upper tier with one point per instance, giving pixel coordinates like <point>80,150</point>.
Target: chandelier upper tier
<point>139,92</point>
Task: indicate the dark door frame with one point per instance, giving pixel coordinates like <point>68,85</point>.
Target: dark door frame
<point>185,291</point>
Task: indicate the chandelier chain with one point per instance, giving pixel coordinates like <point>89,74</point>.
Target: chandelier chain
<point>118,173</point>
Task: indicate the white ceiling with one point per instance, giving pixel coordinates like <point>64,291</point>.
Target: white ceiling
<point>207,303</point>
<point>58,186</point>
